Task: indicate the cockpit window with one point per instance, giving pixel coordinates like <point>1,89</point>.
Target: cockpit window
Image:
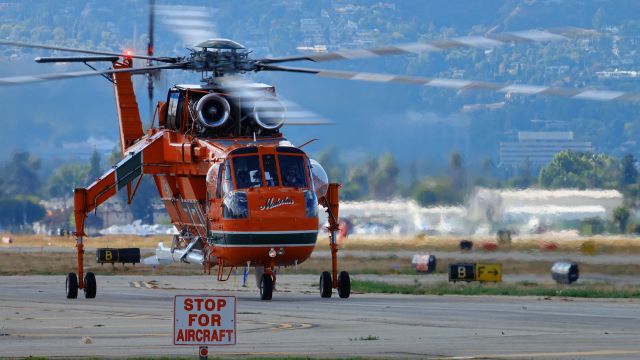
<point>247,171</point>
<point>226,183</point>
<point>270,170</point>
<point>292,171</point>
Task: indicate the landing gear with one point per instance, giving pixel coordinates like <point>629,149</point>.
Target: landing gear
<point>326,287</point>
<point>331,280</point>
<point>71,286</point>
<point>266,287</point>
<point>344,285</point>
<point>90,286</point>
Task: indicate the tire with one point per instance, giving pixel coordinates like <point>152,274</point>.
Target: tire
<point>326,285</point>
<point>344,285</point>
<point>90,286</point>
<point>266,287</point>
<point>71,286</point>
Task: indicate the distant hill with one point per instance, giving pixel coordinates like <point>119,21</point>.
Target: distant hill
<point>55,119</point>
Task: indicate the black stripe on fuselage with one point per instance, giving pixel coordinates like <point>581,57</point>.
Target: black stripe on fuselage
<point>265,238</point>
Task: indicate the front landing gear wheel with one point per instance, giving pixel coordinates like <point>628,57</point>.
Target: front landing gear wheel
<point>90,286</point>
<point>344,285</point>
<point>326,287</point>
<point>266,287</point>
<point>71,286</point>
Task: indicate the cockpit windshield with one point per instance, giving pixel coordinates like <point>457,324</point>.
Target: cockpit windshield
<point>270,170</point>
<point>292,170</point>
<point>247,171</point>
<point>250,171</point>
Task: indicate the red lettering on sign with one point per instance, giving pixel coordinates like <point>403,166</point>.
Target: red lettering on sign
<point>221,303</point>
<point>188,304</point>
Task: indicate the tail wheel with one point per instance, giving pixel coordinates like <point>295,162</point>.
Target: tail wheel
<point>90,286</point>
<point>326,287</point>
<point>344,285</point>
<point>266,287</point>
<point>71,286</point>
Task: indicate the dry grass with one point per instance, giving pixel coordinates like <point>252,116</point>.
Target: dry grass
<point>43,262</point>
<point>603,244</point>
<point>56,263</point>
<point>48,261</point>
<point>118,241</point>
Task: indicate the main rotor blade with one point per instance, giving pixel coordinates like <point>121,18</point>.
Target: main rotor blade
<point>191,23</point>
<point>16,80</point>
<point>484,42</point>
<point>246,91</point>
<point>83,51</point>
<point>459,84</point>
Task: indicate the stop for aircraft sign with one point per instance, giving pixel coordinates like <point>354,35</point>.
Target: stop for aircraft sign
<point>204,320</point>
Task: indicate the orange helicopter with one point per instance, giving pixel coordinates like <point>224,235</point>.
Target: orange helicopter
<point>238,192</point>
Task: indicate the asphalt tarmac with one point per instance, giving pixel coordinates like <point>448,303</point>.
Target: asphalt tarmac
<point>132,316</point>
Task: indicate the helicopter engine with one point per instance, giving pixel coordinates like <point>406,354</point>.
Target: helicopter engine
<point>212,111</point>
<point>269,113</point>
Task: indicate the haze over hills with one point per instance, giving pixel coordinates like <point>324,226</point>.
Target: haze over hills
<point>68,118</point>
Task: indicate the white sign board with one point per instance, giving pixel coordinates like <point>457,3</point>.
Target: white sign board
<point>204,320</point>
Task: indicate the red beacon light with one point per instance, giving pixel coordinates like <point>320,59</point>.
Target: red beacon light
<point>128,54</point>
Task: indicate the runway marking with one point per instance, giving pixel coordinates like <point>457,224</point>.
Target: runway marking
<point>140,284</point>
<point>292,326</point>
<point>546,354</point>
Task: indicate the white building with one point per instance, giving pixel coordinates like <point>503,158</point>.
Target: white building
<point>539,147</point>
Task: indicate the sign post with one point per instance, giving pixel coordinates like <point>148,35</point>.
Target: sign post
<point>203,320</point>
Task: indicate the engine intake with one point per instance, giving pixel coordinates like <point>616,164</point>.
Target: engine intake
<point>213,111</point>
<point>269,113</point>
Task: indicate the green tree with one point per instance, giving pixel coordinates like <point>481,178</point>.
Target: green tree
<point>570,169</point>
<point>621,218</point>
<point>20,174</point>
<point>329,161</point>
<point>357,185</point>
<point>95,169</point>
<point>20,210</point>
<point>629,171</point>
<point>66,178</point>
<point>430,192</point>
<point>456,166</point>
<point>141,206</point>
<point>383,182</point>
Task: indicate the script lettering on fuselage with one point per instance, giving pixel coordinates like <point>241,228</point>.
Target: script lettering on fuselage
<point>273,203</point>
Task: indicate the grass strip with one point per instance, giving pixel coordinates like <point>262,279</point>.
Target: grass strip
<point>517,289</point>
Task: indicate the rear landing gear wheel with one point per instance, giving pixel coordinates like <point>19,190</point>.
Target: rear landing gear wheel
<point>71,286</point>
<point>90,286</point>
<point>266,287</point>
<point>344,285</point>
<point>326,285</point>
